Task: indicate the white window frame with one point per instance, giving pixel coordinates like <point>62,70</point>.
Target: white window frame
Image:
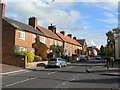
<point>34,38</point>
<point>73,52</point>
<point>50,41</point>
<point>21,33</point>
<point>43,40</point>
<point>73,46</point>
<point>70,45</point>
<point>76,47</point>
<point>22,48</point>
<point>55,42</point>
<point>66,44</point>
<point>33,51</point>
<point>59,43</point>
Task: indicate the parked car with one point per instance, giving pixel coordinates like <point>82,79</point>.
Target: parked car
<point>83,58</point>
<point>59,62</point>
<point>88,58</point>
<point>98,57</point>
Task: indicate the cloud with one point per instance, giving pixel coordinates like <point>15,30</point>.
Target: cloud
<point>109,18</point>
<point>46,14</point>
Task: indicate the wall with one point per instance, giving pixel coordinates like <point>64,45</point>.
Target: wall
<point>8,42</point>
<point>47,42</point>
<point>34,64</point>
<point>27,43</point>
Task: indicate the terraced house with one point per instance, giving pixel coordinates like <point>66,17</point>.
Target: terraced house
<point>16,33</point>
<point>50,37</point>
<point>70,44</point>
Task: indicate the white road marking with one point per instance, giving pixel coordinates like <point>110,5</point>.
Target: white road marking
<point>19,82</point>
<point>49,73</point>
<point>53,72</point>
<point>63,83</point>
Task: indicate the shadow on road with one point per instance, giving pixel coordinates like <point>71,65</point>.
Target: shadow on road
<point>107,81</point>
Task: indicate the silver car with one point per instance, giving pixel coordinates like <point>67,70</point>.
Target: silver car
<point>59,62</point>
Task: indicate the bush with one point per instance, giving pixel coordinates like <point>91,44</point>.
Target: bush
<point>30,56</point>
<point>50,55</point>
<point>17,50</point>
<point>44,59</point>
<point>37,58</point>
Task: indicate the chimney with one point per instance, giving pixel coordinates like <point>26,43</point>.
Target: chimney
<point>62,32</point>
<point>33,21</point>
<point>69,35</point>
<point>2,9</point>
<point>74,37</point>
<point>52,28</point>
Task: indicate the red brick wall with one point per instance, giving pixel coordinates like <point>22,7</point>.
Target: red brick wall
<point>8,42</point>
<point>47,42</point>
<point>27,43</point>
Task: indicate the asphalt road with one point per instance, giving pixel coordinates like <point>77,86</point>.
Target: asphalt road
<point>72,76</point>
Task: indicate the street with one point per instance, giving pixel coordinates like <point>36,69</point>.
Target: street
<point>75,75</point>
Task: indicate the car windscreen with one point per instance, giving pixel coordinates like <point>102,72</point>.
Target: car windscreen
<point>82,56</point>
<point>53,59</point>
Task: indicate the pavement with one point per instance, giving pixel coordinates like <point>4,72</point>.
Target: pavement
<point>9,69</point>
<point>70,77</point>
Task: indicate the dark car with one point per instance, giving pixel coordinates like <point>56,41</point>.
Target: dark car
<point>83,58</point>
<point>98,57</point>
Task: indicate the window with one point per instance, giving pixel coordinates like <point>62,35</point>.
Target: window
<point>66,44</point>
<point>50,41</point>
<point>22,49</point>
<point>73,52</point>
<point>59,43</point>
<point>21,35</point>
<point>73,46</point>
<point>55,42</point>
<point>28,49</point>
<point>34,38</point>
<point>76,47</point>
<point>70,45</point>
<point>43,40</point>
<point>66,51</point>
<point>33,51</point>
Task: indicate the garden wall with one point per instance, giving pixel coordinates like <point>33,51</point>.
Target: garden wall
<point>19,61</point>
<point>34,64</point>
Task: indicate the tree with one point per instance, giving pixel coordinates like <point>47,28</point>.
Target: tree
<point>40,48</point>
<point>57,51</point>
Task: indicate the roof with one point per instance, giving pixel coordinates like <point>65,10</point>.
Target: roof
<point>48,33</point>
<point>68,39</point>
<point>81,41</point>
<point>23,26</point>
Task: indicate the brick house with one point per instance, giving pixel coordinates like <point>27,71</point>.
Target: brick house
<point>83,43</point>
<point>70,44</point>
<point>50,37</point>
<point>16,33</point>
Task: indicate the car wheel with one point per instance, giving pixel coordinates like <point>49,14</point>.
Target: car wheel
<point>65,65</point>
<point>60,66</point>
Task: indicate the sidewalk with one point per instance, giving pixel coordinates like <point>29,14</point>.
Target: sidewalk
<point>112,71</point>
<point>9,69</point>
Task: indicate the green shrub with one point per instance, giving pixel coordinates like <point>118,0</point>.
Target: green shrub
<point>37,58</point>
<point>44,59</point>
<point>50,55</point>
<point>30,56</point>
<point>17,50</point>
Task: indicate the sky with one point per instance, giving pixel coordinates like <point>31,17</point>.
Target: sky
<point>85,20</point>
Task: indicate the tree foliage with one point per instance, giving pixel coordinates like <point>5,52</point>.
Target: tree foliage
<point>58,51</point>
<point>41,49</point>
